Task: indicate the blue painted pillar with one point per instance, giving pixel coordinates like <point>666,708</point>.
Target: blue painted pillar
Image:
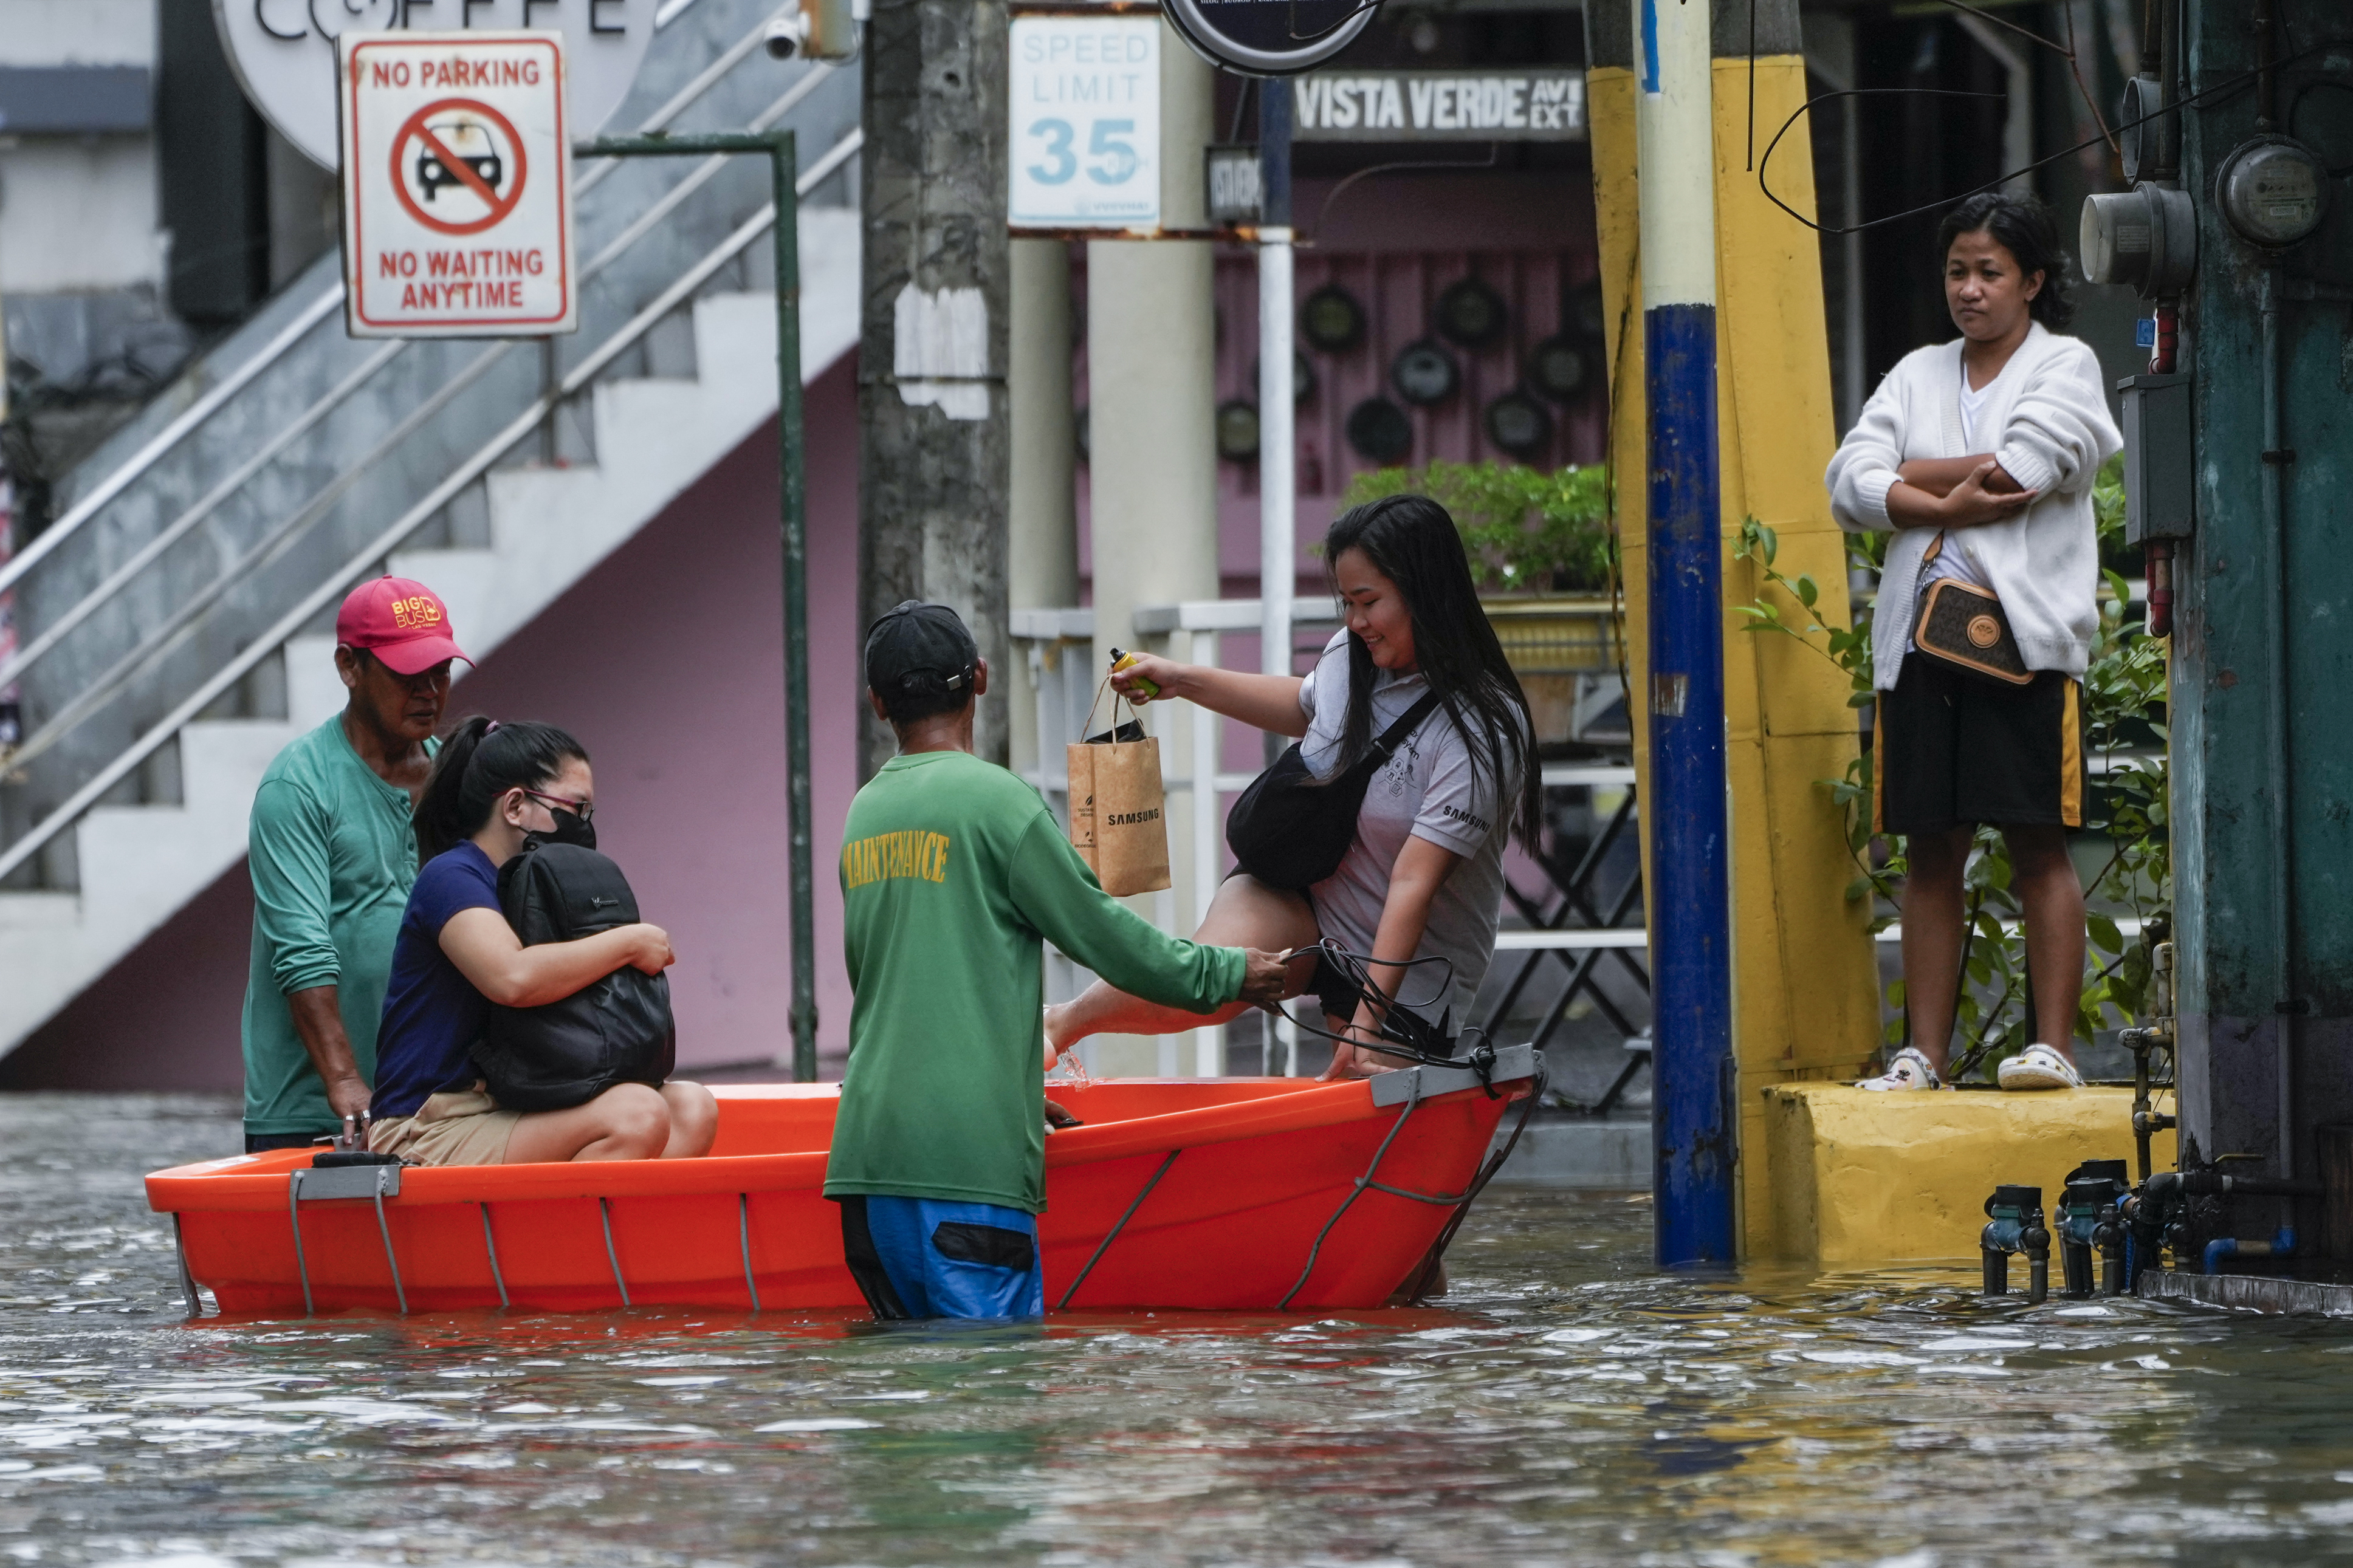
<point>1694,1125</point>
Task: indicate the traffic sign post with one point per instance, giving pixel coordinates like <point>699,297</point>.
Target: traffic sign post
<point>783,164</point>
<point>457,184</point>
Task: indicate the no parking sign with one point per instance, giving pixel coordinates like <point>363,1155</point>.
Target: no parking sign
<point>457,184</point>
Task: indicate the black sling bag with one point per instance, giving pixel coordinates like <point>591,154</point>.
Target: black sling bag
<point>1288,831</point>
<point>616,1030</point>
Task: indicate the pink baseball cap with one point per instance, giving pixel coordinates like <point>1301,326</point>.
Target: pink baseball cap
<point>400,621</point>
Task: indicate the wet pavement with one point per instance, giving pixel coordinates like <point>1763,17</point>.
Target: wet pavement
<point>1568,1406</point>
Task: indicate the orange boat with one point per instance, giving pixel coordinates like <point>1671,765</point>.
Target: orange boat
<point>1232,1194</point>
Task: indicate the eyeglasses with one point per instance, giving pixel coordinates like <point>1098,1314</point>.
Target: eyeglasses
<point>585,810</point>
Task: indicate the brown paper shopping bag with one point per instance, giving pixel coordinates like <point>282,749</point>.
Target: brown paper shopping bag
<point>1118,812</point>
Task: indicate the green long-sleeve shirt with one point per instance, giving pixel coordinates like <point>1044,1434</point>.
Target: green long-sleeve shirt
<point>333,856</point>
<point>954,874</point>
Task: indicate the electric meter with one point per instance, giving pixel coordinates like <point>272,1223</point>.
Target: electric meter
<point>2147,237</point>
<point>2272,192</point>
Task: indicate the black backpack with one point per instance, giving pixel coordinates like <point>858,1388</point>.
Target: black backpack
<point>617,1031</point>
<point>1288,831</point>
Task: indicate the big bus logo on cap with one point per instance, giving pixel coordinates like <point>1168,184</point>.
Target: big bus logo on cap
<point>416,612</point>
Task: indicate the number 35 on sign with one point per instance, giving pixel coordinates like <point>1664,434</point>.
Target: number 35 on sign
<point>1085,104</point>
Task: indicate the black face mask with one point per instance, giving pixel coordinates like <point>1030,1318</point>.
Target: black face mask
<point>568,829</point>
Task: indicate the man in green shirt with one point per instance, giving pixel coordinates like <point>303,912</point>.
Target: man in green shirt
<point>333,856</point>
<point>954,875</point>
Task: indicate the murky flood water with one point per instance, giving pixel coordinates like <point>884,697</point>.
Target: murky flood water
<point>1569,1406</point>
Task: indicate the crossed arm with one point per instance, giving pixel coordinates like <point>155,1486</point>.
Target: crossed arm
<point>1954,492</point>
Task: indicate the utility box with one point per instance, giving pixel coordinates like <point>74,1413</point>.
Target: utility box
<point>2160,473</point>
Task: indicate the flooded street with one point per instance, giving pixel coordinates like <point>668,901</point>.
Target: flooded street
<point>1568,1406</point>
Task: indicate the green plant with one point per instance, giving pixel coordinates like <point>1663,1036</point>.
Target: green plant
<point>2123,698</point>
<point>1524,528</point>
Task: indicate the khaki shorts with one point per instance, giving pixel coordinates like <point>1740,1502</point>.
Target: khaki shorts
<point>458,1126</point>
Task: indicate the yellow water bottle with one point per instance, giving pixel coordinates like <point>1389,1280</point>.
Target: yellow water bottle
<point>1120,661</point>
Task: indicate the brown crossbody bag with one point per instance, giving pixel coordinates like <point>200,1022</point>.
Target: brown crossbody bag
<point>1962,624</point>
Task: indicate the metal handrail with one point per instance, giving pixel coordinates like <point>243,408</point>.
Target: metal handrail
<point>472,468</point>
<point>325,305</point>
<point>91,602</point>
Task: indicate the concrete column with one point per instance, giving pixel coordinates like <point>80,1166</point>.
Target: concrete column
<point>932,403</point>
<point>1151,365</point>
<point>1041,549</point>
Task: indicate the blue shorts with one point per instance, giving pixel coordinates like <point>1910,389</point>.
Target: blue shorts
<point>927,1258</point>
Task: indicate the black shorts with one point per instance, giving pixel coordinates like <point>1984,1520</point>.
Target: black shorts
<point>1953,750</point>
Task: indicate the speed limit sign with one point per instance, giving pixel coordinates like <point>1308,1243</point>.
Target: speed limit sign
<point>1084,151</point>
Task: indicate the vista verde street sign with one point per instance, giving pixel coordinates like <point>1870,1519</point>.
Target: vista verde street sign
<point>283,51</point>
<point>1495,105</point>
<point>1269,37</point>
<point>457,184</point>
<point>1084,107</point>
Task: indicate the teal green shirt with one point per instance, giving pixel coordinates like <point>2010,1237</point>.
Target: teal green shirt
<point>333,855</point>
<point>954,876</point>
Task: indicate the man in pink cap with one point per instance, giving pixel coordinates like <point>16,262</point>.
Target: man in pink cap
<point>333,856</point>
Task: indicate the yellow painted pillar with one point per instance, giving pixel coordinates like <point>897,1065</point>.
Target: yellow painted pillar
<point>1804,976</point>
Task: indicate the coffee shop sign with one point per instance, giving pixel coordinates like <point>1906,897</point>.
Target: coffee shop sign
<point>1440,106</point>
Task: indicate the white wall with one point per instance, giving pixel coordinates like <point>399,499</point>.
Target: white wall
<point>78,32</point>
<point>78,214</point>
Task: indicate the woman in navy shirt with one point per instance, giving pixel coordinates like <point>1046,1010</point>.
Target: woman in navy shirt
<point>456,957</point>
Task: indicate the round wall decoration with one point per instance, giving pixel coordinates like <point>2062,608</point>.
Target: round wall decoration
<point>1558,368</point>
<point>1237,428</point>
<point>1332,320</point>
<point>1518,425</point>
<point>1380,432</point>
<point>1424,373</point>
<point>1472,313</point>
<point>1259,39</point>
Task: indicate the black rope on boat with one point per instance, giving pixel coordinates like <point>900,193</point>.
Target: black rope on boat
<point>1355,1192</point>
<point>294,1218</point>
<point>605,1213</point>
<point>744,1230</point>
<point>1437,1253</point>
<point>384,1230</point>
<point>490,1245</point>
<point>187,1280</point>
<point>1104,1246</point>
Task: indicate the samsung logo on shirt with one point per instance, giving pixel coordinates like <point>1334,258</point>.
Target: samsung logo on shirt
<point>1478,822</point>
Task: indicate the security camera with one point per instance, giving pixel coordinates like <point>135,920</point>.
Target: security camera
<point>783,34</point>
<point>814,29</point>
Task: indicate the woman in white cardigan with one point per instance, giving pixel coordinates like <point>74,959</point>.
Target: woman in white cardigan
<point>1980,454</point>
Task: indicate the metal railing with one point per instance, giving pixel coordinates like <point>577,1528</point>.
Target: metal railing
<point>154,641</point>
<point>164,638</point>
<point>318,310</point>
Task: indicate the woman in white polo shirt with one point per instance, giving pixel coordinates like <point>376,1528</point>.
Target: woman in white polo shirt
<point>1423,877</point>
<point>1980,454</point>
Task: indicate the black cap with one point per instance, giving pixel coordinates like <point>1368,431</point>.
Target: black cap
<point>913,640</point>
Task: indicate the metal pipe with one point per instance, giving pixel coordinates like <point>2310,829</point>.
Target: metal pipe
<point>2282,785</point>
<point>1278,542</point>
<point>1692,1123</point>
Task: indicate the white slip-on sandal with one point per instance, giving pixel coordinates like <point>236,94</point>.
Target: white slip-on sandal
<point>1907,1069</point>
<point>2039,1067</point>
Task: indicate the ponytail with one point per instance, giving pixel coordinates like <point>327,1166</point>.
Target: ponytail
<point>480,762</point>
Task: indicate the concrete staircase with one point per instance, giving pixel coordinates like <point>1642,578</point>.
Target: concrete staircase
<point>548,527</point>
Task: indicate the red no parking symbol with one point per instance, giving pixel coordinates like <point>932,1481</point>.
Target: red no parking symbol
<point>461,147</point>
